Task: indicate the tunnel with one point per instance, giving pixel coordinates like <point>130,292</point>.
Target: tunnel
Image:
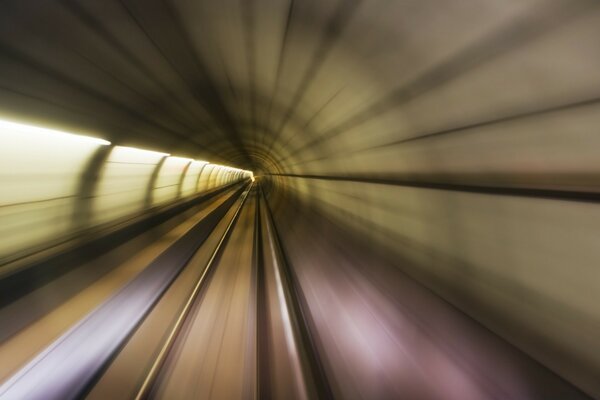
<point>300,199</point>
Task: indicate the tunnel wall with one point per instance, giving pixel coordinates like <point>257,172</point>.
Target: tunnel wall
<point>523,266</point>
<point>56,186</point>
<point>473,164</point>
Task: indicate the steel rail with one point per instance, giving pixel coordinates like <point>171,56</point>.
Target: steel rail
<point>148,383</point>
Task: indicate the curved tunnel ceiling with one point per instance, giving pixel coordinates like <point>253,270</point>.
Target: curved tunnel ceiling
<point>298,87</point>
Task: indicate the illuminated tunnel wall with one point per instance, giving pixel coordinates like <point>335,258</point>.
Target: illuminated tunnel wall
<point>57,185</point>
<point>459,136</point>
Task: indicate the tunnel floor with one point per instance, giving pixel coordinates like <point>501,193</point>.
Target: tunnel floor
<point>223,301</point>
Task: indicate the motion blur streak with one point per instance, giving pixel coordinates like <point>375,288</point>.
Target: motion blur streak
<point>417,184</point>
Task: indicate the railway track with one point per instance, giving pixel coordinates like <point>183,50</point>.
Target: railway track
<point>233,319</point>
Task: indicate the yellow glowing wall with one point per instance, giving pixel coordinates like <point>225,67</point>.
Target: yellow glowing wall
<point>123,184</point>
<point>169,179</point>
<point>54,185</point>
<point>39,175</point>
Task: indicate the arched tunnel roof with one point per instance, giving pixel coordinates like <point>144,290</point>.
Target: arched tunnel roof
<point>297,87</point>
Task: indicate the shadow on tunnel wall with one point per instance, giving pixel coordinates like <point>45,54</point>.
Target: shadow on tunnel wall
<point>59,187</point>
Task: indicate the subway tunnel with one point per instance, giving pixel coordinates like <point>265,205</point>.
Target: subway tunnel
<point>300,199</point>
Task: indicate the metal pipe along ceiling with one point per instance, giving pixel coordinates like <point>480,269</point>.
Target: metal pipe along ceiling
<point>425,212</point>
